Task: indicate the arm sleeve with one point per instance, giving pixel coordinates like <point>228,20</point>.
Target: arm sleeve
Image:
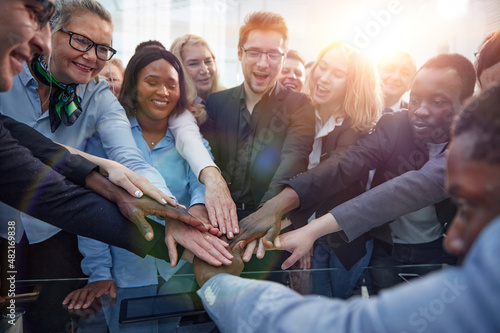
<point>434,303</point>
<point>296,147</point>
<point>344,166</point>
<point>97,261</point>
<point>74,167</point>
<point>188,142</point>
<point>197,189</point>
<point>404,194</point>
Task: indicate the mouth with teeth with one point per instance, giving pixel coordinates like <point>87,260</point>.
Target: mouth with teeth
<point>160,104</point>
<point>260,77</point>
<point>321,91</point>
<point>83,68</point>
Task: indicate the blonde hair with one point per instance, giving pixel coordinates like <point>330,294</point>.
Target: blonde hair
<point>188,39</point>
<point>363,97</point>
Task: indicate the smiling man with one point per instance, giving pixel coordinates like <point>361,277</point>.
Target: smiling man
<point>260,132</point>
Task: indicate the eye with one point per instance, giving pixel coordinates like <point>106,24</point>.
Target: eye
<point>208,62</point>
<point>439,102</point>
<point>193,63</point>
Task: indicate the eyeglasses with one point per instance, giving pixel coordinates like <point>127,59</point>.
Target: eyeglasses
<point>255,55</point>
<point>41,16</point>
<point>83,44</point>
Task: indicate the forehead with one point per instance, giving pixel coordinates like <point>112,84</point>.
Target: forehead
<point>294,63</point>
<point>468,177</point>
<point>396,61</point>
<point>91,26</point>
<point>336,58</point>
<point>160,68</point>
<point>443,81</point>
<point>265,40</point>
<point>195,50</point>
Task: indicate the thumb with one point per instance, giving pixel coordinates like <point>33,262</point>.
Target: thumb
<point>172,250</point>
<point>112,290</point>
<point>290,261</point>
<point>145,228</point>
<point>277,242</point>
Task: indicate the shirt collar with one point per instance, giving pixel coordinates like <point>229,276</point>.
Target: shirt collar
<point>25,76</point>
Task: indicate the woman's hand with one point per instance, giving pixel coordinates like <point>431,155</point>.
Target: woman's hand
<point>203,244</point>
<point>85,296</point>
<point>299,242</point>
<point>220,206</point>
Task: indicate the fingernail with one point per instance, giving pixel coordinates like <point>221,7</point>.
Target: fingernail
<point>149,236</point>
<point>164,201</point>
<point>138,194</point>
<point>231,235</point>
<point>175,201</point>
<point>77,306</point>
<point>236,230</point>
<point>223,230</point>
<point>227,261</point>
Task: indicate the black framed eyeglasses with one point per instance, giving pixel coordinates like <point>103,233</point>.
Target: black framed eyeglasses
<point>83,44</point>
<point>41,16</point>
<point>255,55</point>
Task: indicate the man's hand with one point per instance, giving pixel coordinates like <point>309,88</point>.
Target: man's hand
<point>204,271</point>
<point>86,295</point>
<point>220,206</point>
<point>265,223</point>
<point>203,244</point>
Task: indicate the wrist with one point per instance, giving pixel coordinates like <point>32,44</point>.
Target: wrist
<point>210,175</point>
<point>284,202</point>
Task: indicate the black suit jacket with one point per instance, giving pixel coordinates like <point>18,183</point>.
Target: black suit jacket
<point>283,135</point>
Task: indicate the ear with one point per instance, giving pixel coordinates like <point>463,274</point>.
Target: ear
<point>240,53</point>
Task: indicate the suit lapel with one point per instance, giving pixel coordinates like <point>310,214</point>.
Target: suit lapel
<point>231,123</point>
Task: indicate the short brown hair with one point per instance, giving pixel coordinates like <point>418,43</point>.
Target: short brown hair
<point>263,21</point>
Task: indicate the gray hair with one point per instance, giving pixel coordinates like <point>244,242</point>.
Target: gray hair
<point>65,10</point>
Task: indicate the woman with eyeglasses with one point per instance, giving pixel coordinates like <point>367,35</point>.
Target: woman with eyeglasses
<point>59,96</point>
<point>198,62</point>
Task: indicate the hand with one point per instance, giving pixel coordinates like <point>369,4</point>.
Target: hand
<point>199,212</point>
<point>86,295</point>
<point>136,209</point>
<point>135,184</point>
<point>265,224</point>
<point>305,261</point>
<point>204,271</point>
<point>203,245</point>
<point>299,242</point>
<point>220,206</point>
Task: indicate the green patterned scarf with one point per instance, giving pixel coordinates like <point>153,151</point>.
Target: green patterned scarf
<point>64,102</point>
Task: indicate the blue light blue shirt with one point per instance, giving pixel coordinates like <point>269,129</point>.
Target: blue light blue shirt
<point>456,299</point>
<point>104,262</point>
<point>103,120</point>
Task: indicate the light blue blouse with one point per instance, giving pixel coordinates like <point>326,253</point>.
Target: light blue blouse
<point>104,262</point>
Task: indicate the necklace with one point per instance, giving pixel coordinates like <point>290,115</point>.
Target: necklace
<point>150,142</point>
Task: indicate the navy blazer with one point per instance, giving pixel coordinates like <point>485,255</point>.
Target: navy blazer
<point>283,136</point>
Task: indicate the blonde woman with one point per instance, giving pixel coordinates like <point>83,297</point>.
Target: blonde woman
<point>198,62</point>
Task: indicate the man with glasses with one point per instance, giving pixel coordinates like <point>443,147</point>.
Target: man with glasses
<point>260,132</point>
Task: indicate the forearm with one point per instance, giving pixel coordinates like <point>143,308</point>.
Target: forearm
<point>322,226</point>
<point>102,186</point>
<point>284,202</point>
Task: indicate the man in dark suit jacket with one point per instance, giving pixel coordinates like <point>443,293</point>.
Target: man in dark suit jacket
<point>261,133</point>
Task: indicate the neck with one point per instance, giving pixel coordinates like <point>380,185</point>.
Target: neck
<point>391,100</point>
<point>156,128</point>
<point>43,91</point>
<point>327,111</point>
<point>251,97</point>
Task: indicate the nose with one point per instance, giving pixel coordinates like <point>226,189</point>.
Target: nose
<point>454,242</point>
<point>203,68</point>
<point>263,60</point>
<point>91,54</point>
<point>422,110</point>
<point>162,90</point>
<point>292,76</point>
<point>325,77</point>
<point>41,41</point>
